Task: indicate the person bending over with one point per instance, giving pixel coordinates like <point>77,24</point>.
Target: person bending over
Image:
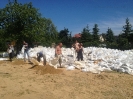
<point>40,55</point>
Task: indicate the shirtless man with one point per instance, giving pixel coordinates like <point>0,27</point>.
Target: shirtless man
<point>80,52</point>
<point>76,47</point>
<point>58,53</point>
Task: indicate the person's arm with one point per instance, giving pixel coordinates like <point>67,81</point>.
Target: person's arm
<point>37,54</point>
<point>55,50</point>
<point>44,59</point>
<point>73,45</point>
<point>82,50</point>
<point>77,49</point>
<point>8,49</point>
<point>60,50</point>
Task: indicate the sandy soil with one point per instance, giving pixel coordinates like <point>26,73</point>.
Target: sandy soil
<point>19,80</point>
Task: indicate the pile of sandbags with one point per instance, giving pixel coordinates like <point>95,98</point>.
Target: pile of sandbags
<point>95,59</point>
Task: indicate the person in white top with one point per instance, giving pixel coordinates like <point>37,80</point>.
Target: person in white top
<point>10,51</point>
<point>25,45</point>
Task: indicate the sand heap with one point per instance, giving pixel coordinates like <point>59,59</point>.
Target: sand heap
<point>39,69</point>
<point>46,70</point>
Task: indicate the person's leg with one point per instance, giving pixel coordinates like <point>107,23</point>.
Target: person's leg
<point>24,56</point>
<point>38,58</point>
<point>60,60</point>
<point>44,59</point>
<point>10,57</point>
<point>78,56</point>
<point>28,56</point>
<point>13,54</point>
<point>82,57</point>
<point>75,55</point>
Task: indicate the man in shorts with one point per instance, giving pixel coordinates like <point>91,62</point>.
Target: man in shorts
<point>76,47</point>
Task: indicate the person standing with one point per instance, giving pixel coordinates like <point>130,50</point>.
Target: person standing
<point>26,49</point>
<point>80,52</point>
<point>58,53</point>
<point>76,47</point>
<point>10,51</point>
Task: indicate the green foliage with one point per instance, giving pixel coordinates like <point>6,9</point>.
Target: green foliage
<point>89,39</point>
<point>122,43</point>
<point>51,34</point>
<point>127,29</point>
<point>95,33</point>
<point>125,39</point>
<point>65,37</point>
<point>20,22</point>
<point>86,35</point>
<point>112,45</point>
<point>109,35</point>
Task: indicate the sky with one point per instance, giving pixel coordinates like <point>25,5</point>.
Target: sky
<point>77,14</point>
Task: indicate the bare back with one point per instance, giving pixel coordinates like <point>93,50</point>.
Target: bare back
<point>58,50</point>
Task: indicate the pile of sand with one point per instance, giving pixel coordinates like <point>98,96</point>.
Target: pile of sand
<point>39,69</point>
<point>46,70</point>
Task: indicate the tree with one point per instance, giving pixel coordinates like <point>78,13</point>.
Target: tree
<point>65,37</point>
<point>86,35</point>
<point>127,28</point>
<point>51,34</point>
<point>122,43</point>
<point>126,36</point>
<point>24,22</point>
<point>109,35</point>
<point>95,33</point>
<point>130,39</point>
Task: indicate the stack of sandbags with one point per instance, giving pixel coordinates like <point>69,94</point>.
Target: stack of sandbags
<point>110,59</point>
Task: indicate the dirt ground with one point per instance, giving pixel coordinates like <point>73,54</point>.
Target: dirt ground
<point>19,80</point>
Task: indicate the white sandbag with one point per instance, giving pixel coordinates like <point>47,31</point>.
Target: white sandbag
<point>111,59</point>
<point>85,69</point>
<point>1,59</point>
<point>5,54</point>
<point>54,61</point>
<point>35,62</point>
<point>70,68</point>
